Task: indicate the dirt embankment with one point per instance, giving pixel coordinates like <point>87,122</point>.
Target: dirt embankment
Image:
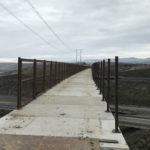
<point>137,139</point>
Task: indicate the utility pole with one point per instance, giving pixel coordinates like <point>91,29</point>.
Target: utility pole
<point>76,55</point>
<point>80,55</point>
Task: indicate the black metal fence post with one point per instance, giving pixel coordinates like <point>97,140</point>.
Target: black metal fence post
<point>51,79</point>
<point>59,72</point>
<point>101,72</point>
<point>34,79</point>
<point>49,75</point>
<point>103,96</point>
<point>63,70</point>
<point>99,76</point>
<point>67,71</point>
<point>108,85</point>
<point>44,74</point>
<point>116,95</point>
<point>61,67</point>
<point>19,83</point>
<point>55,72</point>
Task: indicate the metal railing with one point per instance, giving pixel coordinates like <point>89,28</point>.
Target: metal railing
<point>102,80</point>
<point>36,76</point>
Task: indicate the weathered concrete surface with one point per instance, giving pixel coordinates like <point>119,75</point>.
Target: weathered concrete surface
<point>72,109</point>
<point>27,142</point>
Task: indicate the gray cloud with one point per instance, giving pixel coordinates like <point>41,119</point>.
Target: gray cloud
<point>102,28</point>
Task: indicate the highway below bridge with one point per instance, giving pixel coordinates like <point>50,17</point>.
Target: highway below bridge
<point>69,116</point>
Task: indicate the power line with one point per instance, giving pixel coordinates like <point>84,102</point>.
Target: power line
<point>48,26</point>
<point>25,25</point>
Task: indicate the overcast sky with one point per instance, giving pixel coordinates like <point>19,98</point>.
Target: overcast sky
<point>102,28</point>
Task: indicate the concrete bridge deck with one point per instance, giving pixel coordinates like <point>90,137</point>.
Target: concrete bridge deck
<point>70,116</point>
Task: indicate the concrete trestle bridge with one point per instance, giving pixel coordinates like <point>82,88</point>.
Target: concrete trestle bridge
<point>69,116</point>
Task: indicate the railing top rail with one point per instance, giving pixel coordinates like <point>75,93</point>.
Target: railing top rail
<point>32,60</point>
<point>39,60</point>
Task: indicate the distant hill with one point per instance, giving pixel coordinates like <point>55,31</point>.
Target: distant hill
<point>11,67</point>
<point>6,67</point>
<point>133,60</point>
<point>136,60</point>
